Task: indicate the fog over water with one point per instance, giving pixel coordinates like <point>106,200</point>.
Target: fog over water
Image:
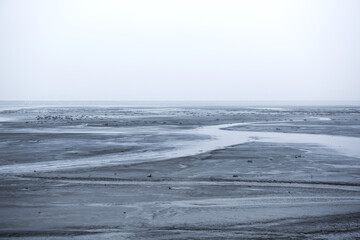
<point>179,50</point>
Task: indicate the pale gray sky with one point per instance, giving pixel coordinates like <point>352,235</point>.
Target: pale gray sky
<point>180,50</point>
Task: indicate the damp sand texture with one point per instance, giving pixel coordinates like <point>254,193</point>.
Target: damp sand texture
<point>150,172</point>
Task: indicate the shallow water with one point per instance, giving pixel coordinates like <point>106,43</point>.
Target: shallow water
<point>348,146</point>
<point>148,172</point>
<point>219,138</point>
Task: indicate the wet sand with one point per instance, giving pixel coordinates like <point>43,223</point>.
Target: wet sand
<point>259,185</point>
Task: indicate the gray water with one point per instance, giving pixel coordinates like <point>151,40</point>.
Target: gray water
<point>147,132</point>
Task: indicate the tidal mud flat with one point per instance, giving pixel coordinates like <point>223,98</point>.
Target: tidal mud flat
<point>180,172</point>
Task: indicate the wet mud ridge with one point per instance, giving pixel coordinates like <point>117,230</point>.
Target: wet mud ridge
<point>202,180</point>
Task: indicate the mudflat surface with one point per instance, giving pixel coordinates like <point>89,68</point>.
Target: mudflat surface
<point>70,172</point>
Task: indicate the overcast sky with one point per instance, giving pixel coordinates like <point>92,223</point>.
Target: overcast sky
<point>180,50</point>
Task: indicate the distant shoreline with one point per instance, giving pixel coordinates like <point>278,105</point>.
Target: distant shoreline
<point>185,103</point>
